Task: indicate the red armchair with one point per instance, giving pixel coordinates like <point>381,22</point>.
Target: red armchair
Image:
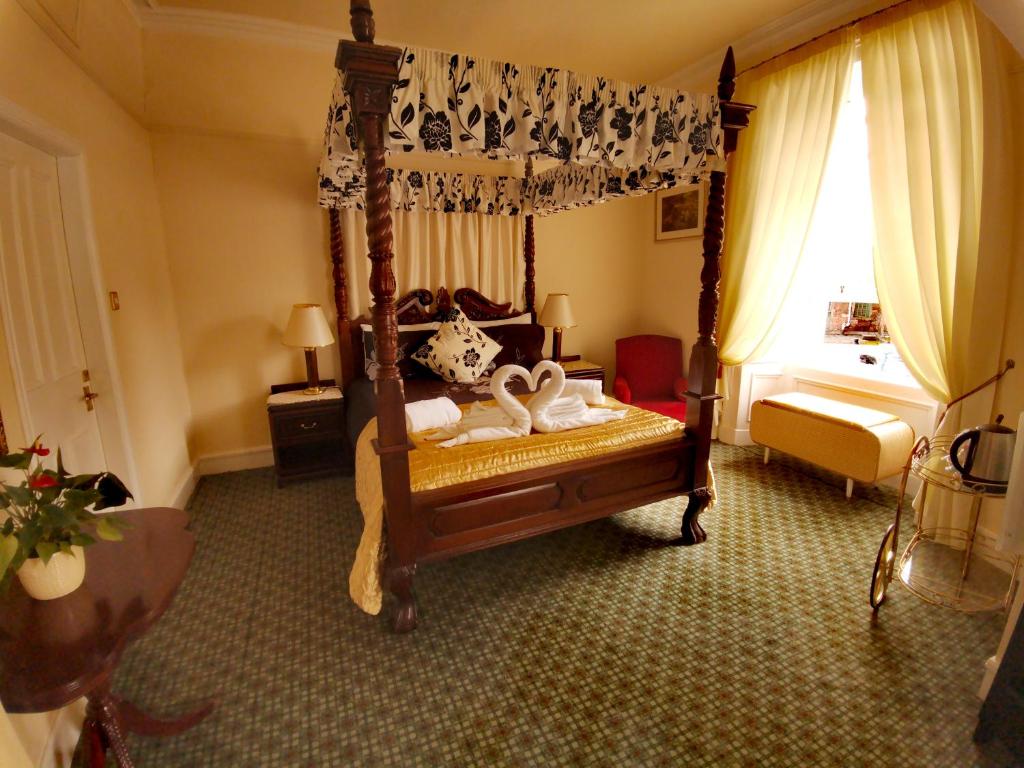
<point>649,374</point>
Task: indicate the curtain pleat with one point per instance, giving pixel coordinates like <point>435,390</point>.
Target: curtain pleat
<point>433,250</point>
<point>776,176</point>
<point>936,83</point>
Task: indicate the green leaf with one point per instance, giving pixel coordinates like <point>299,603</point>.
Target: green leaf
<point>76,499</point>
<point>82,539</point>
<point>20,495</point>
<point>65,547</point>
<point>46,550</point>
<point>8,549</point>
<point>16,460</point>
<point>106,529</point>
<point>83,482</point>
<point>61,472</point>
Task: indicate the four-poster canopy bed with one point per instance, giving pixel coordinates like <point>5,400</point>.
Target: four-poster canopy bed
<point>378,104</point>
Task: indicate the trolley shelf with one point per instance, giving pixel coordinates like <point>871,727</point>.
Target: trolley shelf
<point>945,566</point>
<point>930,462</point>
<point>939,567</point>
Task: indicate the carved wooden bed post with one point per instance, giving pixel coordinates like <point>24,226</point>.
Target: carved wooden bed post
<point>341,298</point>
<point>703,373</point>
<point>371,72</point>
<point>529,254</point>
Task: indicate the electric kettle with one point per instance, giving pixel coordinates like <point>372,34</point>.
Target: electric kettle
<point>983,454</point>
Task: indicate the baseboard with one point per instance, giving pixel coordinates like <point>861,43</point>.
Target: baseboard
<point>185,487</point>
<point>233,461</point>
<point>731,436</point>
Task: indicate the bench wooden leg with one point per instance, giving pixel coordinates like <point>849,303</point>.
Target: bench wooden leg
<point>767,453</point>
<point>849,487</point>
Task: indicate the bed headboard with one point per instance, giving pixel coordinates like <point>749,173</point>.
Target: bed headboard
<point>423,306</point>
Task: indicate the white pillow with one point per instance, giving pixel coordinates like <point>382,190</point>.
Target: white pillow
<point>459,351</point>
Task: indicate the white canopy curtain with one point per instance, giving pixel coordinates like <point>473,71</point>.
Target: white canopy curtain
<point>935,83</point>
<point>774,185</point>
<point>440,249</point>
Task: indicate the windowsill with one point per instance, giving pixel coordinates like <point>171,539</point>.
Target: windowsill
<point>840,364</point>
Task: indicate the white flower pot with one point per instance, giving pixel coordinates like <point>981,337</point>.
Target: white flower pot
<point>61,576</point>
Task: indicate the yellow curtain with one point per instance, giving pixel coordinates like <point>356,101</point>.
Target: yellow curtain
<point>453,250</point>
<point>922,86</point>
<point>936,83</point>
<point>773,187</point>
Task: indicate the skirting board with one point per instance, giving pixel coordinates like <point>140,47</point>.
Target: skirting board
<point>233,461</point>
<point>217,463</point>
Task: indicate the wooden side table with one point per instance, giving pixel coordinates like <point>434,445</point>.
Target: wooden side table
<point>54,651</point>
<point>307,432</point>
<point>582,369</point>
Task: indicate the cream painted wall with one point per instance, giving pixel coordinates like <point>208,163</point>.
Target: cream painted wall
<point>1010,391</point>
<point>593,255</point>
<point>103,37</point>
<point>37,76</point>
<point>247,240</point>
<point>669,281</point>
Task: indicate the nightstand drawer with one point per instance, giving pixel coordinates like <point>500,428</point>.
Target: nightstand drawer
<point>308,423</point>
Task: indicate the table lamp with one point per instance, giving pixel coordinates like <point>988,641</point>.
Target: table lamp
<point>307,328</point>
<point>557,314</point>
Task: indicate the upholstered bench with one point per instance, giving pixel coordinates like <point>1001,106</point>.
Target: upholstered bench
<point>861,443</point>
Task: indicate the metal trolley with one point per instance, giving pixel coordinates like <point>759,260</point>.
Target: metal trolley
<point>944,566</point>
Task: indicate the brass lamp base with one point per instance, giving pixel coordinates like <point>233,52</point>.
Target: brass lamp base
<point>312,375</point>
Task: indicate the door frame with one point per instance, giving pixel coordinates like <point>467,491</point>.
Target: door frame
<point>89,288</point>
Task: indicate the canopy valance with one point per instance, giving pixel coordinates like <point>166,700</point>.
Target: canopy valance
<point>614,138</point>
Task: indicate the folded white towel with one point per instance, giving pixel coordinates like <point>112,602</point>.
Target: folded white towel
<point>431,414</point>
<point>553,413</point>
<point>509,419</point>
<point>588,389</point>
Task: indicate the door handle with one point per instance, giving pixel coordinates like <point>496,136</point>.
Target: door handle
<point>88,396</point>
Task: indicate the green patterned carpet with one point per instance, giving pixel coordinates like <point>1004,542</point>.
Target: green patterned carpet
<point>598,645</point>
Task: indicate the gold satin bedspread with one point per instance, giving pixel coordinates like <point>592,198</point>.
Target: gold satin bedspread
<point>433,467</point>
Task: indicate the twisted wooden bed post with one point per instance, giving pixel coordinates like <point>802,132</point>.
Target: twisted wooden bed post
<point>371,72</point>
<point>341,297</point>
<point>703,373</point>
<point>529,255</point>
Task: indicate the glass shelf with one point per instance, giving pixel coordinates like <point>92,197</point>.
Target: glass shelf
<point>941,566</point>
<point>930,462</point>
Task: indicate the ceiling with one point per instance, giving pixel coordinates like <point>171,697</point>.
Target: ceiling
<point>639,40</point>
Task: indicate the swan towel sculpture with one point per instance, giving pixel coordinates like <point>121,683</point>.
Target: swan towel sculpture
<point>546,411</point>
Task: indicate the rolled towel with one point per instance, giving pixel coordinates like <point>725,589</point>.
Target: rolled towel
<point>431,414</point>
<point>588,389</point>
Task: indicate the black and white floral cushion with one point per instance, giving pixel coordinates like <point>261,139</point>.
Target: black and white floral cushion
<point>459,351</point>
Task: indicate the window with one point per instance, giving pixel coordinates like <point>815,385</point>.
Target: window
<point>832,318</point>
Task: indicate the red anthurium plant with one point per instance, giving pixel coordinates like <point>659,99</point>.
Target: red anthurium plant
<point>52,510</point>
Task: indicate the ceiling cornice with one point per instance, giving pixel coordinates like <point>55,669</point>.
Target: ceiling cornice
<point>156,18</point>
<point>160,18</point>
<point>774,37</point>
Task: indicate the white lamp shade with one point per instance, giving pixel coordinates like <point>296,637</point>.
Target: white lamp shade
<point>307,327</point>
<point>557,313</point>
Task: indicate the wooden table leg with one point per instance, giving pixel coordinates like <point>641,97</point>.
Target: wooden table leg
<point>137,721</point>
<point>101,710</point>
<point>110,718</point>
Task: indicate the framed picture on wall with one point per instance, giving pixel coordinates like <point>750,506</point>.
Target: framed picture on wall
<point>679,212</point>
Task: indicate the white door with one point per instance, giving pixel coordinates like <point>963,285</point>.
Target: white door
<point>39,312</point>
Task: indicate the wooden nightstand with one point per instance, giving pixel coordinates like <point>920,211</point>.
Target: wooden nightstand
<point>307,432</point>
<point>582,369</point>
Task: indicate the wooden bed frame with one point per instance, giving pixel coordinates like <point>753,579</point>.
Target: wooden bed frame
<point>437,524</point>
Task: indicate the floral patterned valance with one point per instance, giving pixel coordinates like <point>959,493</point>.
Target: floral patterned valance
<point>612,135</point>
